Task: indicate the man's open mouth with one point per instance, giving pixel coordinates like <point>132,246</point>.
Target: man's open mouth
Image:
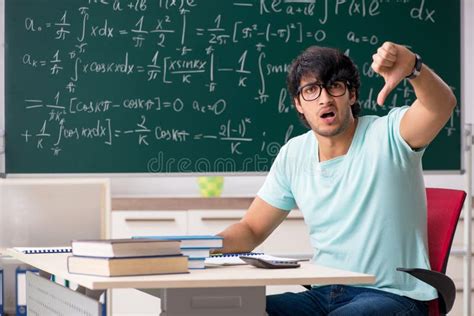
<point>327,114</point>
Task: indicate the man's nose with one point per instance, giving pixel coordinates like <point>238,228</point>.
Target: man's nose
<point>325,97</point>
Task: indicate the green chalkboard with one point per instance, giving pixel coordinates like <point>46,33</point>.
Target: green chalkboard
<point>183,86</point>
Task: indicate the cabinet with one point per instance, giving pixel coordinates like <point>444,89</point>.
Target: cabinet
<point>145,217</point>
<point>126,224</point>
<point>455,268</point>
<point>290,238</point>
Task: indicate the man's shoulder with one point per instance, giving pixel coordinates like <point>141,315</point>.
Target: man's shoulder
<point>370,118</point>
<point>296,148</point>
<point>393,114</point>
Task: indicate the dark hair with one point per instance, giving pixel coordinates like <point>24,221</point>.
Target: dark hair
<point>328,65</point>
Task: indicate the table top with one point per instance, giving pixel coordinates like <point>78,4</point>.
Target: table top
<point>220,276</point>
<point>180,203</point>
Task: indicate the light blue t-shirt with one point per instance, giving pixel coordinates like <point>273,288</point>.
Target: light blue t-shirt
<point>366,210</point>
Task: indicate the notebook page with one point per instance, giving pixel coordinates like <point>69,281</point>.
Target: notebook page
<point>233,259</point>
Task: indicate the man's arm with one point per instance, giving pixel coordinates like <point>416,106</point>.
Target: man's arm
<point>258,223</point>
<point>435,100</point>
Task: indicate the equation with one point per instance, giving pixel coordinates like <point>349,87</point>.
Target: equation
<point>175,76</point>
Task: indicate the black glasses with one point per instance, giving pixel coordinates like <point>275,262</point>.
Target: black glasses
<point>312,91</point>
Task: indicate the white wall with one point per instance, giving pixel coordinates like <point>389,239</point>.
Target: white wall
<point>245,186</point>
<point>51,212</point>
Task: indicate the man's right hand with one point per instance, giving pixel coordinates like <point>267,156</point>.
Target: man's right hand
<point>393,62</point>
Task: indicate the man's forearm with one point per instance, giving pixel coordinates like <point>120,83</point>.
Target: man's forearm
<point>257,224</point>
<point>238,238</point>
<point>432,92</point>
<point>434,99</point>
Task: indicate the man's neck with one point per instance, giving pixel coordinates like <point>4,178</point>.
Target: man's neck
<point>335,146</point>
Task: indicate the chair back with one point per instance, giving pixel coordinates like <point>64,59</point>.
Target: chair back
<point>444,208</point>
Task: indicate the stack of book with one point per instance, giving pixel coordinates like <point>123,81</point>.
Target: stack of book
<point>126,257</point>
<point>196,247</point>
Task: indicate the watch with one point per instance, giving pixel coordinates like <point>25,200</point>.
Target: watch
<point>417,68</point>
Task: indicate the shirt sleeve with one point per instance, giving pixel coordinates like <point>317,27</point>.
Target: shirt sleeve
<point>276,189</point>
<point>398,145</point>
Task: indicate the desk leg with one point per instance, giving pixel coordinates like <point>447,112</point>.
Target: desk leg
<point>229,301</point>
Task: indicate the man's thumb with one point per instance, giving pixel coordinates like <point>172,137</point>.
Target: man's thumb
<point>383,94</point>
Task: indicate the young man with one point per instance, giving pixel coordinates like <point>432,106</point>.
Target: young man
<point>358,182</point>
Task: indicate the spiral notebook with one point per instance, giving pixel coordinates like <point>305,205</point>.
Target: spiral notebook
<point>229,259</point>
<point>40,250</point>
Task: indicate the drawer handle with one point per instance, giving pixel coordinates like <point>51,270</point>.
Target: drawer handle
<point>239,218</point>
<point>221,218</point>
<point>132,220</point>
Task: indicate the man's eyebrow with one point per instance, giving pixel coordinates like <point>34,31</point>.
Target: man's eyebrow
<point>311,82</point>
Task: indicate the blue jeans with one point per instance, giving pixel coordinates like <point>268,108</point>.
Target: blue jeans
<point>340,300</point>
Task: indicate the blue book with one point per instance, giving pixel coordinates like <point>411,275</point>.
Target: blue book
<point>20,281</point>
<point>192,241</point>
<point>196,263</point>
<point>103,300</point>
<point>1,292</point>
<point>20,278</point>
<point>196,252</point>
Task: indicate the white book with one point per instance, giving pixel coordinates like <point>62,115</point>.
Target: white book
<point>196,263</point>
<point>191,241</point>
<point>125,247</point>
<point>196,252</point>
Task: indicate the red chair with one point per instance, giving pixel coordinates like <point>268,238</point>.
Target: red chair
<point>444,208</point>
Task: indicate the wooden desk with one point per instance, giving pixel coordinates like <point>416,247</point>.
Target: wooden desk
<point>216,285</point>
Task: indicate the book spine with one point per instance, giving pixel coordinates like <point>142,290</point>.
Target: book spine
<point>103,302</point>
<point>1,293</point>
<point>20,281</point>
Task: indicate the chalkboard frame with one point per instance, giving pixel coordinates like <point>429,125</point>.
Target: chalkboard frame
<point>461,169</point>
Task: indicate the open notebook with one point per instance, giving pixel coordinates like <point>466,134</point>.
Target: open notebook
<point>37,250</point>
<point>234,258</point>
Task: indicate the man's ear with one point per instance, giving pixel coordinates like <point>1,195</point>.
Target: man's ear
<point>298,106</point>
<point>352,96</point>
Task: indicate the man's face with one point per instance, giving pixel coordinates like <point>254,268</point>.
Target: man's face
<point>329,114</point>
